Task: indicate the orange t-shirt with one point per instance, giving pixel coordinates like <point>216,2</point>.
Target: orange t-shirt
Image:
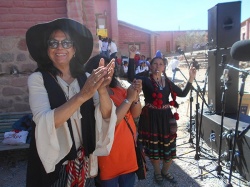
<point>122,157</point>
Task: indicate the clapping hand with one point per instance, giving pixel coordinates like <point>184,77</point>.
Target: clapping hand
<point>134,90</point>
<point>110,71</point>
<point>99,78</point>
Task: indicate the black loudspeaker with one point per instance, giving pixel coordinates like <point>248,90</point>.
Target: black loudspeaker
<point>224,24</point>
<point>212,124</point>
<point>215,83</point>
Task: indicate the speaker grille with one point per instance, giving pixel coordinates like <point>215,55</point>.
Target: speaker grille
<point>224,25</point>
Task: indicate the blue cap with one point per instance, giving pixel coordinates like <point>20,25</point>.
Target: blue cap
<point>158,54</point>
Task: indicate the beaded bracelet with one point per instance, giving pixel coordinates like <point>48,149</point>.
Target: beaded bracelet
<point>137,102</point>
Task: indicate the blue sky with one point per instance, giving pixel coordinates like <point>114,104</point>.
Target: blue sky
<point>165,15</point>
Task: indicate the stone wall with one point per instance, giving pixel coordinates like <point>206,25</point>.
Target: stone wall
<point>15,67</point>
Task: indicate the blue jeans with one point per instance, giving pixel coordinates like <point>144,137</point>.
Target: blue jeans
<point>105,53</point>
<point>173,76</point>
<point>126,180</point>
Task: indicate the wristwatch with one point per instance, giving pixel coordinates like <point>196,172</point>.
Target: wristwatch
<point>127,101</point>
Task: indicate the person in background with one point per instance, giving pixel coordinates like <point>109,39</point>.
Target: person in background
<point>148,62</point>
<point>118,168</point>
<point>137,59</point>
<point>158,54</point>
<point>142,69</point>
<point>100,43</point>
<point>105,50</point>
<point>125,69</point>
<point>142,59</point>
<point>62,99</point>
<point>195,64</point>
<point>157,125</point>
<point>112,48</point>
<point>173,65</point>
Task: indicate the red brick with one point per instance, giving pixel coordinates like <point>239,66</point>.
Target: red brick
<point>34,4</point>
<point>21,24</point>
<point>18,3</point>
<point>56,4</point>
<point>61,10</point>
<point>55,16</point>
<point>44,11</point>
<point>36,17</point>
<point>12,17</point>
<point>6,25</point>
<point>4,10</point>
<point>89,5</point>
<point>6,3</point>
<point>20,10</point>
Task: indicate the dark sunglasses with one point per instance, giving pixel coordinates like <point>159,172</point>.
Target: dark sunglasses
<point>54,44</point>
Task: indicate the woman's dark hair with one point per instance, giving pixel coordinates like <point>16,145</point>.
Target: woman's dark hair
<point>93,63</point>
<point>153,59</point>
<point>76,68</point>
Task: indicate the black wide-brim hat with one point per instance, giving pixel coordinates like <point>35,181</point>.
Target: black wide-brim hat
<point>38,35</point>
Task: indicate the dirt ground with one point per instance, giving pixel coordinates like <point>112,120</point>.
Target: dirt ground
<point>188,171</point>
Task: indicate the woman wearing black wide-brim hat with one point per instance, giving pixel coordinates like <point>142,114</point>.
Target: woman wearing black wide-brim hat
<point>71,110</point>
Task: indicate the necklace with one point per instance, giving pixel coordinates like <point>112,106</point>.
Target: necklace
<point>159,84</point>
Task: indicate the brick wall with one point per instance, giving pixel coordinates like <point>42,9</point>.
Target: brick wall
<point>90,22</point>
<point>18,15</point>
<point>128,36</point>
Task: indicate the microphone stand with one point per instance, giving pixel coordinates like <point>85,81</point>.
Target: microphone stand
<point>242,87</point>
<point>190,112</point>
<point>190,116</point>
<point>198,88</point>
<point>198,127</point>
<point>202,107</point>
<point>224,89</point>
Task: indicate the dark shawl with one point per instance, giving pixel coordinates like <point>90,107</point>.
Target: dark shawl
<point>36,174</point>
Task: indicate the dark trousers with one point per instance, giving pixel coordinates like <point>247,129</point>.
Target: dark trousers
<point>113,55</point>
